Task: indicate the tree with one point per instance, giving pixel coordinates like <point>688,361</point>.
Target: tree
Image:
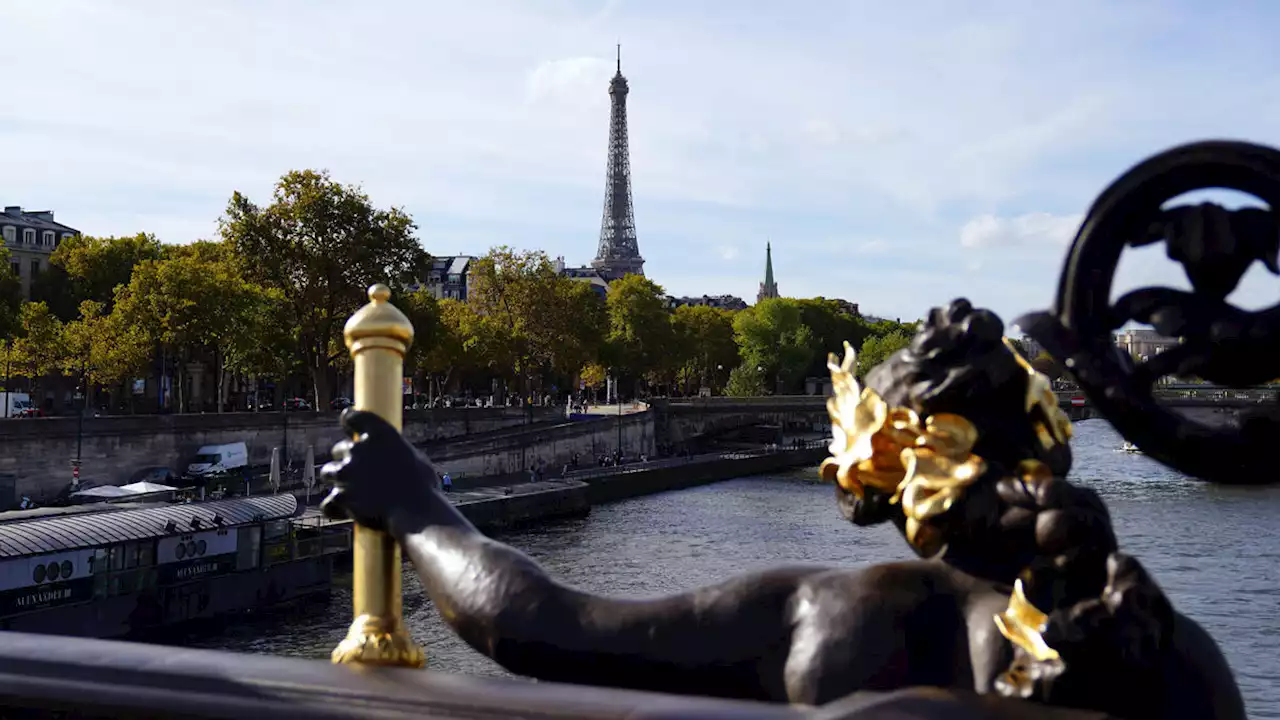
<point>640,331</point>
<point>593,376</point>
<point>579,321</point>
<point>877,348</point>
<point>771,336</point>
<point>546,322</point>
<point>83,267</point>
<point>831,327</point>
<point>465,340</point>
<point>322,244</point>
<point>745,381</point>
<point>703,342</point>
<point>196,299</point>
<point>10,297</point>
<point>423,312</point>
<point>39,349</point>
<point>102,349</point>
<point>265,345</point>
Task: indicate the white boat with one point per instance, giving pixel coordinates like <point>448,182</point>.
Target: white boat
<point>1129,447</point>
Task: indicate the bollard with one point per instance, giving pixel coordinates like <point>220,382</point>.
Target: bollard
<point>378,336</point>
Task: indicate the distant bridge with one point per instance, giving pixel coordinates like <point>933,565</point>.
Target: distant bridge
<point>690,418</point>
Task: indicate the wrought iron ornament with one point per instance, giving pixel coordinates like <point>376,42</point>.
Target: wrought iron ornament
<point>1220,342</point>
<point>619,253</point>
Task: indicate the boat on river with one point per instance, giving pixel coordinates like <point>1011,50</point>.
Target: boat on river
<point>111,570</point>
<point>1129,447</point>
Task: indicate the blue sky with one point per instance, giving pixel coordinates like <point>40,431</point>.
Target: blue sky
<point>896,154</point>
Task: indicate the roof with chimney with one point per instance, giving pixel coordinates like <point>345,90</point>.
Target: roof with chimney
<point>37,219</point>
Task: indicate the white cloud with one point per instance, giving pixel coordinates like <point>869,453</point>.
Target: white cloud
<point>570,80</point>
<point>1033,229</point>
<point>727,252</point>
<point>878,246</point>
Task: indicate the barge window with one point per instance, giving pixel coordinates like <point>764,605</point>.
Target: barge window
<point>100,562</point>
<point>276,529</point>
<point>139,554</point>
<point>117,557</point>
<point>248,546</point>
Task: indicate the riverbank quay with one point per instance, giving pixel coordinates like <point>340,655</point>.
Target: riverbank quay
<point>38,452</point>
<point>614,483</point>
<point>498,508</point>
<point>501,507</point>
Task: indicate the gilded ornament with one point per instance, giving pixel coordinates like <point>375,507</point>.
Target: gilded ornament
<point>1022,624</point>
<point>1054,427</point>
<point>924,466</point>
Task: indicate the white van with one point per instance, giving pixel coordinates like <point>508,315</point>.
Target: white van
<point>14,405</point>
<point>219,460</point>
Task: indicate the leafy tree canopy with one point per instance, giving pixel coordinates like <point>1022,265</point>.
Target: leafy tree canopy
<point>321,245</point>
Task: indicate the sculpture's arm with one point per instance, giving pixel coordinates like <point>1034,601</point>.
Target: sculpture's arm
<point>731,639</point>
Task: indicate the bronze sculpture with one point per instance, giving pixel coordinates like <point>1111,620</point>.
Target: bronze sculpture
<point>1021,590</point>
<point>813,635</point>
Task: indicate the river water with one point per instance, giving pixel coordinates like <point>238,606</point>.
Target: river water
<point>1215,550</point>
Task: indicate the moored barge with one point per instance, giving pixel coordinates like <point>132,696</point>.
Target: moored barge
<point>123,569</point>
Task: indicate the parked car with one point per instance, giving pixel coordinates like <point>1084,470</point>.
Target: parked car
<point>339,403</point>
<point>297,405</point>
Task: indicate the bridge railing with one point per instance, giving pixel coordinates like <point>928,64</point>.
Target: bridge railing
<point>44,675</point>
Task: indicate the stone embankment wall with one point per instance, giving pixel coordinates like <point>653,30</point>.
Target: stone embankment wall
<point>38,452</point>
<point>516,450</point>
<point>570,498</point>
<point>565,499</point>
<point>637,483</point>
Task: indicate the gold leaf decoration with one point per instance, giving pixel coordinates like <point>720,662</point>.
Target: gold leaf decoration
<point>1055,429</point>
<point>925,466</point>
<point>1022,624</point>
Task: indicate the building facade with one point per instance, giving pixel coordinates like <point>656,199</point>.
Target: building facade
<point>31,236</point>
<point>724,302</point>
<point>1143,342</point>
<point>590,275</point>
<point>449,277</point>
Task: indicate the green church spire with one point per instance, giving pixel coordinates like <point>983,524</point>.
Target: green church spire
<point>768,288</point>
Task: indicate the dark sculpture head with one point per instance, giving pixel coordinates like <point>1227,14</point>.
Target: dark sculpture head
<point>960,363</point>
<point>959,410</point>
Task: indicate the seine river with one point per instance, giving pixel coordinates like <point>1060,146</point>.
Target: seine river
<point>1215,550</point>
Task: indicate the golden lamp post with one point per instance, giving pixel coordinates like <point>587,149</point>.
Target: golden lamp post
<point>378,336</point>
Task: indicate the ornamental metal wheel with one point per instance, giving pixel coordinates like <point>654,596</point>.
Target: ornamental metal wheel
<point>1220,343</point>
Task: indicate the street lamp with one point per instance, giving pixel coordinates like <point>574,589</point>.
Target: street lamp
<point>716,380</point>
<point>617,393</point>
<point>75,466</point>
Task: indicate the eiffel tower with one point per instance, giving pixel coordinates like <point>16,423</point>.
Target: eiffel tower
<point>618,254</point>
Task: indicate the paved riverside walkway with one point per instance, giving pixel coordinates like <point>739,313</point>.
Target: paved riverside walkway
<point>627,408</point>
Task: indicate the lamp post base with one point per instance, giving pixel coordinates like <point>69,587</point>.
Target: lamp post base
<point>378,641</point>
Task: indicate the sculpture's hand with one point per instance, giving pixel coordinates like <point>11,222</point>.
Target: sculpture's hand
<point>379,479</point>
